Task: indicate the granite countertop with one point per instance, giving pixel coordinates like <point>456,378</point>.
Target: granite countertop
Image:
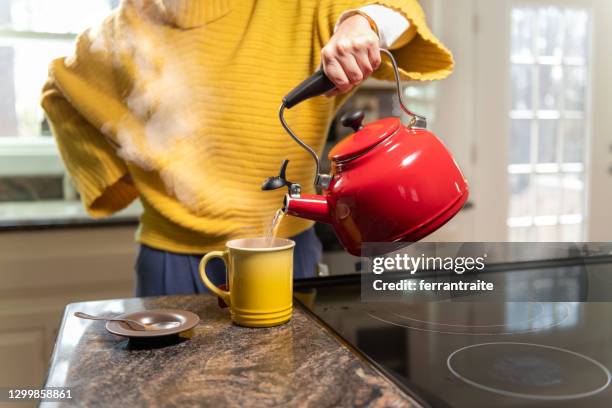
<point>300,363</point>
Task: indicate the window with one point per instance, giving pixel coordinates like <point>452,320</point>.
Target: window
<point>549,123</point>
<point>33,33</point>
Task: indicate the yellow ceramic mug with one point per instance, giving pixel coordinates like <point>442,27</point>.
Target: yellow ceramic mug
<point>260,277</point>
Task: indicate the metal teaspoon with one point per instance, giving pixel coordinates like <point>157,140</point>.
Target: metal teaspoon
<point>134,325</point>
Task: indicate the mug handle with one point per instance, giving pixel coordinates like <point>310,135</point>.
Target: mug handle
<point>223,294</point>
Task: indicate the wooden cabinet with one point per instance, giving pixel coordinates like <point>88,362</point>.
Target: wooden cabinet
<point>40,273</point>
<point>22,351</point>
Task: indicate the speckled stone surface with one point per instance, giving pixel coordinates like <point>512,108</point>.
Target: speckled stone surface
<point>296,364</point>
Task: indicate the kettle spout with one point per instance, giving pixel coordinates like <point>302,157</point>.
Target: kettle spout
<point>310,206</point>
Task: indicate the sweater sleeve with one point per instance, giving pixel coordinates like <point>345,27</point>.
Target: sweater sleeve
<point>424,57</point>
<point>91,161</point>
<point>73,97</point>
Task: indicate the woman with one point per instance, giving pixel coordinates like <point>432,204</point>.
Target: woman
<point>175,102</point>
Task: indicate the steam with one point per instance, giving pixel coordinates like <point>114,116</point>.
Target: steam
<point>97,41</point>
<point>160,130</point>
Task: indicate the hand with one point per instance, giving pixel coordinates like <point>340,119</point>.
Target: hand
<point>351,55</point>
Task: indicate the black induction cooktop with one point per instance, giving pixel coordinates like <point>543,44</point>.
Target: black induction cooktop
<point>454,353</point>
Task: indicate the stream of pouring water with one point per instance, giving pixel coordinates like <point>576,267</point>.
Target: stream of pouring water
<point>272,229</point>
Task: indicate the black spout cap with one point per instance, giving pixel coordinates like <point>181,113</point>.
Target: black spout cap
<point>315,85</point>
<point>273,183</point>
<point>276,182</point>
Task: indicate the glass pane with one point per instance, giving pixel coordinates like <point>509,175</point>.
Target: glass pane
<point>521,234</point>
<point>57,16</point>
<point>547,141</point>
<point>573,141</point>
<point>25,70</point>
<point>576,40</point>
<point>554,86</point>
<point>575,83</point>
<point>549,32</point>
<point>522,24</point>
<point>548,197</point>
<point>522,86</point>
<point>550,86</point>
<point>520,141</point>
<point>573,194</point>
<point>5,13</point>
<point>521,193</point>
<point>547,233</point>
<point>8,116</point>
<point>572,232</point>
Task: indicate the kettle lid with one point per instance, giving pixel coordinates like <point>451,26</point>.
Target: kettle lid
<point>364,139</point>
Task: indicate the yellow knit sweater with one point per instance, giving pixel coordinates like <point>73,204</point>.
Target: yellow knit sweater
<point>175,102</point>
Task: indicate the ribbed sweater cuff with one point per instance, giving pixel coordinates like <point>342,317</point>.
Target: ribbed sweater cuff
<point>424,57</point>
<point>90,160</point>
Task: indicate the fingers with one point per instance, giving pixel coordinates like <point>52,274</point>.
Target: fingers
<point>348,52</point>
<point>347,65</point>
<point>374,56</point>
<point>334,69</point>
<point>363,61</point>
<point>351,55</point>
<point>342,67</point>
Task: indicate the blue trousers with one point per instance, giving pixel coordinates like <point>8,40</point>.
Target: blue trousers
<point>166,273</point>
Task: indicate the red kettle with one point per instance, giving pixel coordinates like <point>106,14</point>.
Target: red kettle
<point>388,183</point>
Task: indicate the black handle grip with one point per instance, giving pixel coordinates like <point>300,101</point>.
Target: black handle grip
<point>315,85</point>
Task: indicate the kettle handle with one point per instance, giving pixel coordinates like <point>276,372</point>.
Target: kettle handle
<point>318,83</point>
<point>315,85</point>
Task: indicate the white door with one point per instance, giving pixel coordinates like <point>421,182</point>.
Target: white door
<point>542,124</point>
